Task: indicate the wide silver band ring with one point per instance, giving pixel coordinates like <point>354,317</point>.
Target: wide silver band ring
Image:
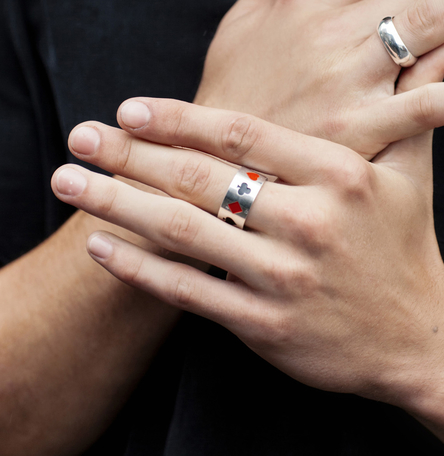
<point>394,45</point>
<point>242,192</point>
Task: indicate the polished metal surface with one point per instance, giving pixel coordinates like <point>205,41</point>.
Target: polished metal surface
<point>240,196</point>
<point>394,45</point>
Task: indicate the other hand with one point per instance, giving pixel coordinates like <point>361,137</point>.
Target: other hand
<point>319,67</point>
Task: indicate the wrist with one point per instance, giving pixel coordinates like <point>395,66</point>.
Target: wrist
<point>416,382</point>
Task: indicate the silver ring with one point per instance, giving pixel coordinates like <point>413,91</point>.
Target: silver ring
<point>240,196</point>
<point>393,43</point>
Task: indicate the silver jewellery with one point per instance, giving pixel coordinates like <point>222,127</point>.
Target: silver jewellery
<point>393,43</point>
<point>241,194</point>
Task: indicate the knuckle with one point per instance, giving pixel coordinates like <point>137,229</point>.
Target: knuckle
<point>336,121</point>
<point>278,274</point>
<point>178,119</point>
<point>184,291</point>
<point>312,228</point>
<point>132,273</point>
<point>287,274</point>
<point>182,229</point>
<point>239,137</point>
<point>307,281</point>
<point>124,157</point>
<point>353,177</point>
<point>333,127</point>
<point>106,204</point>
<point>192,177</point>
<point>275,328</point>
<point>421,107</point>
<point>272,329</point>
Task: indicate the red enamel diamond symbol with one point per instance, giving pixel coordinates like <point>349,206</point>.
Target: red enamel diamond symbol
<point>235,208</point>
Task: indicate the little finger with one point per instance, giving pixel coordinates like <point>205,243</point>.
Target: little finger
<point>177,284</point>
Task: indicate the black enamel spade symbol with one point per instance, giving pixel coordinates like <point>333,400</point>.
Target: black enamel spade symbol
<point>243,189</point>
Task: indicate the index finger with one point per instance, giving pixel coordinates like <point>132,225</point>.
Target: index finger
<point>238,138</point>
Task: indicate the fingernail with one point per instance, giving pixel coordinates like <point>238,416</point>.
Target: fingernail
<point>135,114</point>
<point>70,182</point>
<point>100,247</point>
<point>85,140</point>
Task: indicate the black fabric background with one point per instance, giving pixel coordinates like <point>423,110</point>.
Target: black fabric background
<point>63,62</point>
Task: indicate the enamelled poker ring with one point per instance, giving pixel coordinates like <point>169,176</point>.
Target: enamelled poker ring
<point>394,45</point>
<point>242,192</point>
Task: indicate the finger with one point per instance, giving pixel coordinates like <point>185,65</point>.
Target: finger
<point>188,175</point>
<point>404,115</point>
<point>172,224</point>
<point>237,138</point>
<point>429,68</point>
<point>378,63</point>
<point>413,156</point>
<point>420,26</point>
<point>174,283</point>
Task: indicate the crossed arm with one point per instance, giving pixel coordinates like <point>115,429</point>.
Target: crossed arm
<point>80,318</point>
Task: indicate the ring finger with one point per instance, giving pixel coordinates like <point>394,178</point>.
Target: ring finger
<point>172,224</point>
<point>419,25</point>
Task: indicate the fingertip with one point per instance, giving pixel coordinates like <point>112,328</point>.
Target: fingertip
<point>84,139</point>
<point>100,247</point>
<point>133,114</point>
<point>54,178</point>
<point>68,180</point>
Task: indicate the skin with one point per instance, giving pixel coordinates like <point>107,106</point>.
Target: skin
<point>346,81</point>
<point>71,298</point>
<point>74,343</point>
<point>307,303</point>
<point>334,295</point>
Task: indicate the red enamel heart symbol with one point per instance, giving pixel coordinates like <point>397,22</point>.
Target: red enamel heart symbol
<point>253,176</point>
<point>235,208</point>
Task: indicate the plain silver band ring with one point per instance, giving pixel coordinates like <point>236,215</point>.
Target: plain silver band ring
<point>240,196</point>
<point>394,45</point>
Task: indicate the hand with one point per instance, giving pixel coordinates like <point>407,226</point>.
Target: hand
<point>319,67</point>
<point>337,282</point>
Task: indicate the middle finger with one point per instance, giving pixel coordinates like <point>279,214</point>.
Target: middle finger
<point>181,173</point>
<point>185,174</point>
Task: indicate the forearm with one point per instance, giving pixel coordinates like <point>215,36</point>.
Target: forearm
<point>74,341</point>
